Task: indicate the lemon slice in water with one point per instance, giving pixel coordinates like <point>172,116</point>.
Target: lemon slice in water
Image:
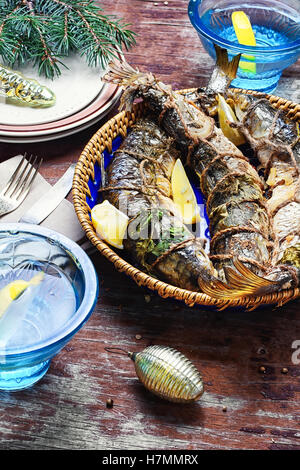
<point>245,35</point>
<point>110,223</point>
<point>183,195</point>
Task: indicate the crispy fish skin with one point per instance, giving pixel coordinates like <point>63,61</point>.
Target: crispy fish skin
<point>215,159</point>
<point>139,176</point>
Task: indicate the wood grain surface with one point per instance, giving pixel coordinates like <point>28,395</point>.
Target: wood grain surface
<point>244,406</point>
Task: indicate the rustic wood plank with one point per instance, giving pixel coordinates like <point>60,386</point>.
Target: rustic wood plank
<point>241,408</point>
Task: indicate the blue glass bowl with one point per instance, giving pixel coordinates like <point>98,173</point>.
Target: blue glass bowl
<point>96,197</point>
<point>276,24</point>
<point>23,364</point>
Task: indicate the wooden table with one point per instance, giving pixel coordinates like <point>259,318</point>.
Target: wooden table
<point>242,408</point>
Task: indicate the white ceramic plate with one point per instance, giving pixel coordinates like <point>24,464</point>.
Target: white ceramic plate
<point>96,108</point>
<point>75,89</point>
<point>64,133</point>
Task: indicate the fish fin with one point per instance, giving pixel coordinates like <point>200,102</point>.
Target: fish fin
<point>228,67</point>
<point>242,282</point>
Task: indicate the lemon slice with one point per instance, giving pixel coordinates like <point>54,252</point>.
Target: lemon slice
<point>227,115</point>
<point>183,195</point>
<point>14,289</point>
<point>110,223</point>
<point>245,35</point>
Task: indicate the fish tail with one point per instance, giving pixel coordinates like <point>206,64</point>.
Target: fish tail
<point>229,67</point>
<point>242,282</point>
<point>223,73</point>
<point>121,73</point>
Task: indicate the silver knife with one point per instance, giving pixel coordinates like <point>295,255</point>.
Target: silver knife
<point>50,200</point>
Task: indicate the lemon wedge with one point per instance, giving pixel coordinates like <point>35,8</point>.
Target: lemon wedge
<point>183,195</point>
<point>110,223</point>
<point>226,116</point>
<point>14,289</point>
<point>245,35</point>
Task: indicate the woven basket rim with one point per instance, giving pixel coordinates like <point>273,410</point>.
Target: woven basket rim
<point>111,129</point>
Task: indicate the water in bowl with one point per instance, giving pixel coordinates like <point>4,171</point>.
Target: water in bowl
<point>271,28</point>
<point>39,311</point>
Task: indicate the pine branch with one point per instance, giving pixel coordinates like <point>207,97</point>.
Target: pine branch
<point>45,31</point>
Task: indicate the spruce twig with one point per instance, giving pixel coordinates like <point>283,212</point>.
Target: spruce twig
<point>43,32</point>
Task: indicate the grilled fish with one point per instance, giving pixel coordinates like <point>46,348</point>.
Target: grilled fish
<point>20,90</point>
<point>138,182</point>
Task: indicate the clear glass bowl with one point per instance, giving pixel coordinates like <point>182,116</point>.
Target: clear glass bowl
<point>55,309</point>
<point>276,24</point>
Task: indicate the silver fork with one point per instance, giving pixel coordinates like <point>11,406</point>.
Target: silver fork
<point>19,184</point>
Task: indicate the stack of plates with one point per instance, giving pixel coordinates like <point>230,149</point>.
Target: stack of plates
<point>82,99</point>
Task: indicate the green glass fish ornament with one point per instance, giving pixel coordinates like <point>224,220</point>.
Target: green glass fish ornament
<point>20,90</point>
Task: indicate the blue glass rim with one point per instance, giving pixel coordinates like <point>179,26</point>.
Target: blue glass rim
<point>90,296</point>
<point>239,48</point>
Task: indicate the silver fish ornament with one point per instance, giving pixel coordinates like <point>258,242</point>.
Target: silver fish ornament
<point>167,373</point>
<point>20,90</point>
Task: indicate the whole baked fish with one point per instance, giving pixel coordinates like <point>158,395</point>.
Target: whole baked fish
<point>239,222</point>
<point>15,299</point>
<point>138,182</point>
<point>275,139</point>
<point>20,90</point>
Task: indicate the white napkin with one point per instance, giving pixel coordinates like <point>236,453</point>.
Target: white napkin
<point>63,219</point>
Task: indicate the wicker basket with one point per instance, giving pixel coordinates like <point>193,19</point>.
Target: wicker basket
<point>84,173</point>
